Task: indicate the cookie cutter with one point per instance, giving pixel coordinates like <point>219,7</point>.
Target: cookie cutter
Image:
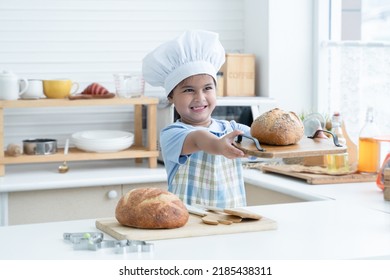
<point>93,241</point>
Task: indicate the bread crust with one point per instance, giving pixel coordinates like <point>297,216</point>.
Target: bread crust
<point>151,208</point>
<point>278,127</point>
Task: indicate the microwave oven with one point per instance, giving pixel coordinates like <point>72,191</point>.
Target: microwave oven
<point>241,109</point>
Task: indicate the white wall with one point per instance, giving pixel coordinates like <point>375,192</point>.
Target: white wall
<point>89,40</point>
<point>280,33</point>
<point>290,53</point>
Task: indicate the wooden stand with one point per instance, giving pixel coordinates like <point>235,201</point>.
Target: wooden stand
<point>137,150</point>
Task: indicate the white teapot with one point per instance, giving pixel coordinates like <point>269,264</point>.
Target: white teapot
<point>10,86</point>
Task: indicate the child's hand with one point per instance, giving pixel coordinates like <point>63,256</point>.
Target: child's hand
<point>226,145</point>
<point>203,140</point>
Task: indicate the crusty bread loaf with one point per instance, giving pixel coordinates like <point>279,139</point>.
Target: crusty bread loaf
<point>151,208</point>
<point>277,127</point>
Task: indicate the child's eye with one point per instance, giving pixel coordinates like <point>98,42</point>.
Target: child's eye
<point>189,90</point>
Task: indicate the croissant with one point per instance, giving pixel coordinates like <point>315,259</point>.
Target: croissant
<point>95,89</point>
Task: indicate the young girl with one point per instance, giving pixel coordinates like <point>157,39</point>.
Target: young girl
<point>203,166</point>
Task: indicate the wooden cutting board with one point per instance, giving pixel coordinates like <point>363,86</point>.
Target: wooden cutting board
<point>316,179</point>
<point>194,227</point>
<point>305,147</point>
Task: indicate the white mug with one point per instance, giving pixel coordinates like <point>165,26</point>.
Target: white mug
<point>34,89</point>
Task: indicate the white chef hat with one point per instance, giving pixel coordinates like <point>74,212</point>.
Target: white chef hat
<point>193,52</point>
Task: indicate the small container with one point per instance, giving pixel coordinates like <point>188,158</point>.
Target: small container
<point>239,74</point>
<point>129,85</point>
<point>338,162</point>
<point>14,150</point>
<point>384,173</point>
<point>369,146</point>
<point>39,146</point>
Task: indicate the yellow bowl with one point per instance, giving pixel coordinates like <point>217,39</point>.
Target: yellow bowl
<point>58,88</point>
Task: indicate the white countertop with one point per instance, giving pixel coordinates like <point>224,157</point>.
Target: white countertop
<point>308,230</point>
<point>340,221</point>
<point>81,174</point>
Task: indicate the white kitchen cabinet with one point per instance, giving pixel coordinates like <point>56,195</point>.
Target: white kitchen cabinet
<point>255,195</point>
<point>138,150</point>
<point>41,206</point>
<point>60,205</point>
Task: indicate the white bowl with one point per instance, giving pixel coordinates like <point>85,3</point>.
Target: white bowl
<point>102,141</point>
<point>103,134</point>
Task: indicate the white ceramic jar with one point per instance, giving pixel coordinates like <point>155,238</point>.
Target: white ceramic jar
<point>10,86</point>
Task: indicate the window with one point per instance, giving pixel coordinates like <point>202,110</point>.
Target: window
<point>375,25</point>
<point>354,68</point>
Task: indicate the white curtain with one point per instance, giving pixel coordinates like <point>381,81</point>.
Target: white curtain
<point>359,76</point>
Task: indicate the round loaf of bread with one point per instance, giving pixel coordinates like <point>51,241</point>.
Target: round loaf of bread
<point>277,127</point>
<point>151,208</point>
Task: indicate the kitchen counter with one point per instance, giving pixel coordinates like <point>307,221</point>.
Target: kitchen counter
<point>309,230</point>
<point>365,194</point>
<point>339,221</point>
<point>27,177</point>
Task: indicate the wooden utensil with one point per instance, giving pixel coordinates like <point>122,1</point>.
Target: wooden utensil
<point>212,219</point>
<point>305,147</point>
<point>194,228</point>
<point>316,179</point>
<point>242,213</point>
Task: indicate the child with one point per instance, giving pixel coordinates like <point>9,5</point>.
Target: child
<point>203,166</point>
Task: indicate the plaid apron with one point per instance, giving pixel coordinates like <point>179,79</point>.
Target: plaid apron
<point>212,180</point>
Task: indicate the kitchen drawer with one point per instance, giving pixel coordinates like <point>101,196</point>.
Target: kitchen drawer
<point>62,204</point>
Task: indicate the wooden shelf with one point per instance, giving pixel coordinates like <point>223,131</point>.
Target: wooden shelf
<point>78,155</point>
<point>46,102</point>
<point>137,151</point>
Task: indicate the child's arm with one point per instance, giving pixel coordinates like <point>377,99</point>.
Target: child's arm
<point>202,140</point>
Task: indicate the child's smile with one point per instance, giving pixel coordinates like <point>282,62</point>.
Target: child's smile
<point>195,99</point>
<point>199,108</point>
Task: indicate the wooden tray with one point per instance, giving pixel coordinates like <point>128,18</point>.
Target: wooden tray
<point>194,227</point>
<point>305,147</point>
<point>315,179</point>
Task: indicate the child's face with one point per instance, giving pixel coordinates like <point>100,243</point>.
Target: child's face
<point>195,99</point>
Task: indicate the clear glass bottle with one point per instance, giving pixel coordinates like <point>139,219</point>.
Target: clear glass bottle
<point>338,162</point>
<point>369,147</point>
